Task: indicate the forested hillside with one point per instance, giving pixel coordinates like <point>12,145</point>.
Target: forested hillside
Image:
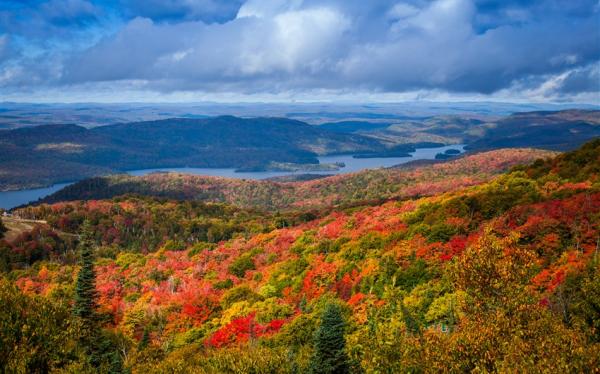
<point>563,130</point>
<point>555,130</point>
<point>380,184</point>
<point>52,153</point>
<point>42,155</point>
<point>453,268</point>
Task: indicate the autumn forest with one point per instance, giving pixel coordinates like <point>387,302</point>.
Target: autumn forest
<point>485,263</point>
<point>299,186</point>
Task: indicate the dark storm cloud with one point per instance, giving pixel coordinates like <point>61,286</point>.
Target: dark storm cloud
<point>272,46</point>
<point>45,18</point>
<point>207,11</point>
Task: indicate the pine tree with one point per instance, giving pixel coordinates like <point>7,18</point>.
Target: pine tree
<point>85,299</point>
<point>330,346</point>
<point>85,288</point>
<point>97,344</point>
<point>3,229</point>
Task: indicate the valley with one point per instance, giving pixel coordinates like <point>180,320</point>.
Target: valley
<point>328,165</point>
<point>40,156</point>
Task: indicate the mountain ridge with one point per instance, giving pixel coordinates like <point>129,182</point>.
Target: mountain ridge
<point>224,141</point>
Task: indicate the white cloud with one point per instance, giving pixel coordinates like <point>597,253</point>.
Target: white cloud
<point>308,46</point>
<point>265,9</point>
<point>303,37</point>
<point>402,10</point>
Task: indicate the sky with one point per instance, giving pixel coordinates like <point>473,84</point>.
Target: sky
<point>300,50</point>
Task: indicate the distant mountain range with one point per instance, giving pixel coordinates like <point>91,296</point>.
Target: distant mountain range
<point>51,153</point>
<point>15,115</point>
<point>558,130</point>
<point>43,155</point>
<point>562,131</point>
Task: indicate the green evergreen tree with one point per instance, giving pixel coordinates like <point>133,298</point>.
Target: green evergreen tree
<point>3,228</point>
<point>101,352</point>
<point>85,288</point>
<point>330,345</point>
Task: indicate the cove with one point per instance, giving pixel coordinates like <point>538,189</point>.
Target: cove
<point>11,199</point>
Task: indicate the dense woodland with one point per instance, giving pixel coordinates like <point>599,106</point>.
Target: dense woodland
<point>450,267</point>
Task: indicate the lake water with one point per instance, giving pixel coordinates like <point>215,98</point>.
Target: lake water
<point>11,199</point>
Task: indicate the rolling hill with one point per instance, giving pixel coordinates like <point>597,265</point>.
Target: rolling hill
<point>340,189</point>
<point>554,130</point>
<point>564,130</point>
<point>500,274</point>
<point>42,155</point>
<point>53,153</point>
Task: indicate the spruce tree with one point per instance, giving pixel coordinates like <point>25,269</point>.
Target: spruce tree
<point>330,346</point>
<point>412,325</point>
<point>3,229</point>
<point>85,299</point>
<point>85,288</point>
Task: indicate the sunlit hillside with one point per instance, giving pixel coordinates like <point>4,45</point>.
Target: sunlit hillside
<point>497,274</point>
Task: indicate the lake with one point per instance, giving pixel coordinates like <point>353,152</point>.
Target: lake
<point>11,199</point>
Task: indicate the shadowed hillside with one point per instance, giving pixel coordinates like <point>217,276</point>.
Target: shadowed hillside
<point>53,153</point>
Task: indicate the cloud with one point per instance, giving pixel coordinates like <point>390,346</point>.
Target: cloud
<point>207,11</point>
<point>195,55</point>
<point>586,79</point>
<point>482,47</point>
<point>69,12</point>
<point>5,48</point>
<point>46,19</point>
